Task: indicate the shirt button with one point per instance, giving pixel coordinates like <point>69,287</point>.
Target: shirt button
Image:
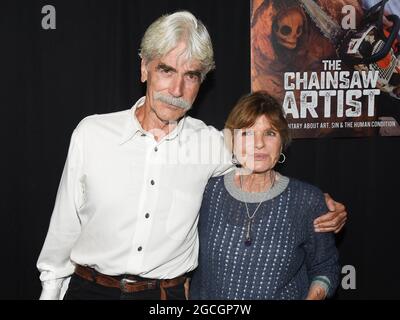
<point>155,149</point>
<point>139,249</point>
<point>147,216</point>
<point>152,182</point>
<point>143,134</point>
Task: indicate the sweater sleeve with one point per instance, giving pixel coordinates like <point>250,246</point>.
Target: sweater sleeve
<point>321,253</point>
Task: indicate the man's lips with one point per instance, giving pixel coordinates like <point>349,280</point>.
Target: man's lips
<point>171,106</point>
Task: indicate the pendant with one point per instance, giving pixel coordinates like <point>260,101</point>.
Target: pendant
<point>248,238</point>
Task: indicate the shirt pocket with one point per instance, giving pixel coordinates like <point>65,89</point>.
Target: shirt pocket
<point>183,215</point>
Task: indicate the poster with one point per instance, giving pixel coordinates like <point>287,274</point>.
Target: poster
<point>332,64</point>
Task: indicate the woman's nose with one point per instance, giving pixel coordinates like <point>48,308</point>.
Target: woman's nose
<point>259,141</point>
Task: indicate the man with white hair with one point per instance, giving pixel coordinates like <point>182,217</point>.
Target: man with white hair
<point>125,218</point>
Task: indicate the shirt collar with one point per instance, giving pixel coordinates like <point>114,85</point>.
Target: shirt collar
<point>133,127</point>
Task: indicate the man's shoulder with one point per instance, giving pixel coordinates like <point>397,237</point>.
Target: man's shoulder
<point>113,120</point>
<point>199,125</point>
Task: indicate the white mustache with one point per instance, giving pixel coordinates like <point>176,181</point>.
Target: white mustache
<point>177,102</point>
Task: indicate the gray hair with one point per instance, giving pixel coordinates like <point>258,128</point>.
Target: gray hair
<point>164,34</point>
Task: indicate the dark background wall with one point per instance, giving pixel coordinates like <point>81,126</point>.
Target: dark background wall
<point>50,79</point>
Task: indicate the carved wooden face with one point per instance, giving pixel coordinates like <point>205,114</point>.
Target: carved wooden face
<point>289,28</point>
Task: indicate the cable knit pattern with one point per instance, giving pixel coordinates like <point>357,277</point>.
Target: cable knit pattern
<point>285,256</point>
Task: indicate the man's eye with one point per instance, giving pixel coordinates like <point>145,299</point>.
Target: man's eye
<point>193,77</point>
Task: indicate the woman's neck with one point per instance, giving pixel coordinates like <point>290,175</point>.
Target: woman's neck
<point>256,182</point>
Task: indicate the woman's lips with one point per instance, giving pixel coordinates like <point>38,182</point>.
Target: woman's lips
<point>260,156</point>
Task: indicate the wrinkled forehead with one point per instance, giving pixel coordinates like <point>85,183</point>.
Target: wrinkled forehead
<point>178,56</point>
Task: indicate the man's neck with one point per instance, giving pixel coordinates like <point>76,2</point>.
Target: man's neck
<point>150,122</point>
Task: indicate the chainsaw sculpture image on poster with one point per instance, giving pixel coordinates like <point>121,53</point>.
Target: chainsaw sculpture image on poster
<point>334,65</point>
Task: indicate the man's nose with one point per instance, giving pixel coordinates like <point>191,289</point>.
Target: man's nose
<point>176,87</point>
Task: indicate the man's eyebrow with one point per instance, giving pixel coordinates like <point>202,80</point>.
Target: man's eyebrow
<point>194,73</point>
<point>165,67</point>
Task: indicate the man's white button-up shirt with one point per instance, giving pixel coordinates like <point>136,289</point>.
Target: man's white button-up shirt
<point>128,204</point>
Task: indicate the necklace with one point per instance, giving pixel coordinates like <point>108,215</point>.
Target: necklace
<point>248,241</point>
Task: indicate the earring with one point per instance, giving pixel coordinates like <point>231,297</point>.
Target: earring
<point>284,158</point>
<point>235,161</point>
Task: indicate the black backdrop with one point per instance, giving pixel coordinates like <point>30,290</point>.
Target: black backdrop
<point>50,79</point>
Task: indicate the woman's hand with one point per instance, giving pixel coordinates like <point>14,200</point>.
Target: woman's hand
<point>316,292</point>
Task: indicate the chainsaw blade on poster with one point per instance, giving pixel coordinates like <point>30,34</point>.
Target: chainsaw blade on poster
<point>334,65</point>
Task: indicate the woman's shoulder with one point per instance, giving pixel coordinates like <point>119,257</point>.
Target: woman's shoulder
<point>214,193</point>
<point>214,184</point>
<point>304,188</point>
<point>307,196</point>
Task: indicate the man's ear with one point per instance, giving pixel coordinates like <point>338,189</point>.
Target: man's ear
<point>143,71</point>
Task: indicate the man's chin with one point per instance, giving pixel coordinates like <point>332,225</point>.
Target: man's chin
<point>172,107</point>
<point>170,117</point>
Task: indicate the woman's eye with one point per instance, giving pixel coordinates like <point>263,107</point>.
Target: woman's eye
<point>270,133</point>
<point>247,133</point>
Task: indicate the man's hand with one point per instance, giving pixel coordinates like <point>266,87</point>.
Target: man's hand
<point>187,288</point>
<point>334,220</point>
